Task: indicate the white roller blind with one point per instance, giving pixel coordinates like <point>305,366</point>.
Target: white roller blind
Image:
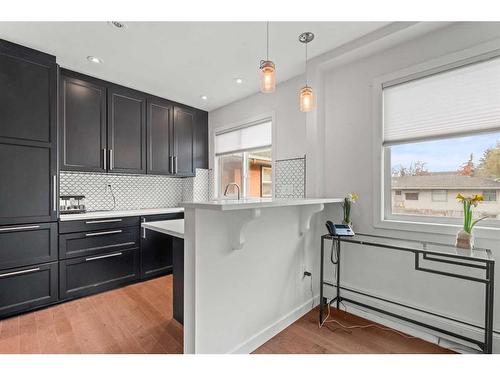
<point>457,101</point>
<point>244,138</point>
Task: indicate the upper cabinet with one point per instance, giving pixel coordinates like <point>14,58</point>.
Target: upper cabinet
<point>159,123</point>
<point>126,130</point>
<point>106,127</point>
<point>83,123</point>
<point>28,135</point>
<point>182,141</point>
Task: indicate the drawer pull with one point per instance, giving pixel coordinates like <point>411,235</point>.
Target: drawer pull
<point>20,228</point>
<point>103,233</point>
<point>103,256</point>
<point>103,221</point>
<point>143,229</point>
<point>20,272</point>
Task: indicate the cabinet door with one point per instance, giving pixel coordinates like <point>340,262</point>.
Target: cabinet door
<point>83,123</point>
<point>201,140</point>
<point>39,244</point>
<point>28,80</point>
<point>156,254</point>
<point>159,119</point>
<point>28,187</point>
<point>23,289</point>
<point>126,130</point>
<point>182,132</point>
<point>83,276</point>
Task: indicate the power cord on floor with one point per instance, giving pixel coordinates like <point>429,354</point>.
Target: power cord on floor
<point>347,328</point>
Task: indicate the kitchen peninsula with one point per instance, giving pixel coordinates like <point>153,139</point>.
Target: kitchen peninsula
<point>244,263</point>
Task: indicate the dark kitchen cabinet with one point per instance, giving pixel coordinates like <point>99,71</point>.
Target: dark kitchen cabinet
<point>156,248</point>
<point>126,130</point>
<point>80,244</point>
<point>182,140</point>
<point>159,124</point>
<point>83,123</point>
<point>79,277</point>
<point>28,135</point>
<point>38,244</point>
<point>200,143</point>
<point>27,288</point>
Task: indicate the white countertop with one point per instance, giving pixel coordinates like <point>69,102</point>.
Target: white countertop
<point>172,227</point>
<point>234,204</point>
<point>123,213</point>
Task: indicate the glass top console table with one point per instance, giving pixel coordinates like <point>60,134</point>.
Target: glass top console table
<point>433,254</point>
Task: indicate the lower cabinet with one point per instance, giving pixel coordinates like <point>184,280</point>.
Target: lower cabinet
<point>156,254</point>
<point>25,288</point>
<point>88,275</point>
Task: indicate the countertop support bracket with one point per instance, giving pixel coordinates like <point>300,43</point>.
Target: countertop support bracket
<point>239,222</point>
<point>306,214</point>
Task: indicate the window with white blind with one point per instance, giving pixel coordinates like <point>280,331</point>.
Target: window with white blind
<point>243,157</point>
<point>441,137</point>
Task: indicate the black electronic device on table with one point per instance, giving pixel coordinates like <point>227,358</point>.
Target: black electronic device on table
<point>339,230</point>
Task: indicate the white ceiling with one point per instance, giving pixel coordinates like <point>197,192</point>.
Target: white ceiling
<point>183,60</point>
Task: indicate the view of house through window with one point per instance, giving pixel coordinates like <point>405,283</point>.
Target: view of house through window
<point>427,176</point>
<point>441,137</point>
<point>243,157</point>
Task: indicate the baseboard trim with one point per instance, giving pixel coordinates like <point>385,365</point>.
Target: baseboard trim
<point>272,330</point>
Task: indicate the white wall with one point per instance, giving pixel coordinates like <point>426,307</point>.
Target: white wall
<point>289,123</point>
<point>345,117</point>
<point>349,165</point>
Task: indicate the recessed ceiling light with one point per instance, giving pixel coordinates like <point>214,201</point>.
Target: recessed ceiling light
<point>95,60</point>
<point>204,97</point>
<point>117,24</point>
<point>239,81</point>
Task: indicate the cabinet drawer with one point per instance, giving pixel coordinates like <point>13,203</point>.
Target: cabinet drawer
<point>25,288</point>
<point>80,244</point>
<point>88,275</point>
<point>22,245</point>
<point>97,224</point>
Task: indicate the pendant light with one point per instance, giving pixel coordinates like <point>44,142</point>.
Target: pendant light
<point>306,95</point>
<point>267,70</point>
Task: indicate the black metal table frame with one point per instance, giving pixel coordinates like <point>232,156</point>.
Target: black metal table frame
<point>488,265</point>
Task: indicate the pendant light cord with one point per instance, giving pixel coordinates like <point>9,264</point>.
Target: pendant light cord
<point>306,62</point>
<point>267,41</point>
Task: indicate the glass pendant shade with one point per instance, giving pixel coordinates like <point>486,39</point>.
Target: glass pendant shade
<point>267,77</point>
<point>306,99</point>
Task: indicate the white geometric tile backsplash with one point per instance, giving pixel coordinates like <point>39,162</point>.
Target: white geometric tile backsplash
<point>290,178</point>
<point>133,191</point>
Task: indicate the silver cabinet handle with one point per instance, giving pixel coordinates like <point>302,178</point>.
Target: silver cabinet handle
<point>19,228</point>
<point>143,229</point>
<point>171,164</point>
<point>19,272</point>
<point>54,197</point>
<point>111,161</point>
<point>103,233</point>
<point>104,156</point>
<point>103,221</point>
<point>103,256</point>
<point>175,164</point>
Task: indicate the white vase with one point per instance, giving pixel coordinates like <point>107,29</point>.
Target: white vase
<point>464,240</point>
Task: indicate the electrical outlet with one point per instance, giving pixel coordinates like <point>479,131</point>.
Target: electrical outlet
<point>304,272</point>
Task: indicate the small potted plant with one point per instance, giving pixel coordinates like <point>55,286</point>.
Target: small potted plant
<point>465,238</point>
<point>346,206</point>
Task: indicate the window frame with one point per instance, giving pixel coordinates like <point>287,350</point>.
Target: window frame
<point>490,191</point>
<point>214,158</point>
<point>382,211</point>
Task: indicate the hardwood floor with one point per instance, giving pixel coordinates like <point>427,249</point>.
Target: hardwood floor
<point>138,319</point>
<point>305,337</point>
<point>133,319</point>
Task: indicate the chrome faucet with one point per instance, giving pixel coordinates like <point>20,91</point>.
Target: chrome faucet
<point>236,185</point>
